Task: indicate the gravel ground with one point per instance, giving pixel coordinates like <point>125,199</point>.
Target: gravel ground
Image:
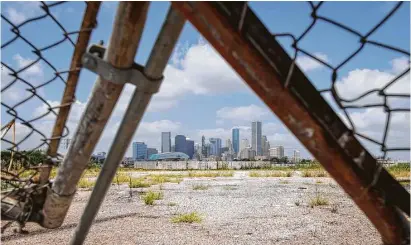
<point>236,210</point>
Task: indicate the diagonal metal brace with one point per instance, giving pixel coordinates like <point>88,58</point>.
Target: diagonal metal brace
<point>93,61</point>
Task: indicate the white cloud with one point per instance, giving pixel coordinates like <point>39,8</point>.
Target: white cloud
<point>18,90</point>
<point>306,63</point>
<point>23,11</point>
<point>359,81</point>
<point>242,113</point>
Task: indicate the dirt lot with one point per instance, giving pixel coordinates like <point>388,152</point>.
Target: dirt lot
<point>235,210</point>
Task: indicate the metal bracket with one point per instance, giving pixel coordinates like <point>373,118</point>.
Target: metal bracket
<point>93,61</point>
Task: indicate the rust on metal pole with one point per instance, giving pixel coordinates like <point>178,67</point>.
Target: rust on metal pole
<point>89,22</point>
<point>125,38</point>
<point>265,72</point>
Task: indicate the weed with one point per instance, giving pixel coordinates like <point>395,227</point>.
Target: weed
<point>284,182</point>
<point>311,173</point>
<point>172,204</point>
<point>192,217</point>
<point>151,196</point>
<point>138,183</point>
<point>318,200</point>
<point>121,179</point>
<point>210,174</point>
<point>270,174</point>
<point>318,182</point>
<point>200,187</point>
<point>86,183</point>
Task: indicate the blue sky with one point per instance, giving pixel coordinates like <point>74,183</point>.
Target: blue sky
<point>201,94</point>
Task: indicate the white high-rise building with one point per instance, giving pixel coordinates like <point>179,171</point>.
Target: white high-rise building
<point>256,137</point>
<point>244,144</point>
<point>296,157</point>
<point>247,153</point>
<point>165,142</point>
<point>277,152</point>
<point>265,145</point>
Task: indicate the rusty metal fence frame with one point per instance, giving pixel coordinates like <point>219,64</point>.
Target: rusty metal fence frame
<point>263,64</point>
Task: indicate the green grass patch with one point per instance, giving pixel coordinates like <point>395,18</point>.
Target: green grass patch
<point>210,174</point>
<point>172,204</point>
<point>151,196</point>
<point>138,183</point>
<point>318,200</point>
<point>192,217</point>
<point>86,183</point>
<point>200,187</point>
<point>121,178</point>
<point>270,174</point>
<point>399,170</point>
<point>314,173</point>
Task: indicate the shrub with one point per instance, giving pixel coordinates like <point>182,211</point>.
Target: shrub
<point>86,183</point>
<point>138,183</point>
<point>192,217</point>
<point>151,196</point>
<point>318,200</point>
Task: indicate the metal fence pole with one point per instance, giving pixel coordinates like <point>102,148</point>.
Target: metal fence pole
<point>127,29</point>
<point>154,70</point>
<point>89,22</point>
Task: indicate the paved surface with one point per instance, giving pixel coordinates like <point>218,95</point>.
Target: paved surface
<point>237,210</point>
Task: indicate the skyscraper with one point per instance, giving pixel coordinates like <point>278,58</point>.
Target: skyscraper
<point>180,143</point>
<point>190,148</point>
<point>296,157</point>
<point>165,142</point>
<point>139,151</point>
<point>215,146</point>
<point>229,146</point>
<point>244,144</point>
<point>265,145</point>
<point>256,137</point>
<point>236,139</point>
<point>203,147</point>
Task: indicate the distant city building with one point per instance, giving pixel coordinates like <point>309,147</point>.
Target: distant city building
<point>208,150</point>
<point>277,152</point>
<point>236,140</point>
<point>190,148</point>
<point>128,161</point>
<point>256,137</point>
<point>169,156</point>
<point>224,149</point>
<point>180,144</point>
<point>215,146</point>
<point>203,147</point>
<point>296,157</point>
<point>244,144</point>
<point>247,153</point>
<point>166,142</point>
<point>139,151</point>
<point>151,151</point>
<point>173,148</point>
<point>265,145</point>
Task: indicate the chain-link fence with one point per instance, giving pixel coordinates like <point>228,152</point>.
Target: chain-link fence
<point>41,53</point>
<point>383,93</point>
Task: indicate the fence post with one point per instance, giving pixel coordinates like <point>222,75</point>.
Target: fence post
<point>153,70</point>
<point>127,29</point>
